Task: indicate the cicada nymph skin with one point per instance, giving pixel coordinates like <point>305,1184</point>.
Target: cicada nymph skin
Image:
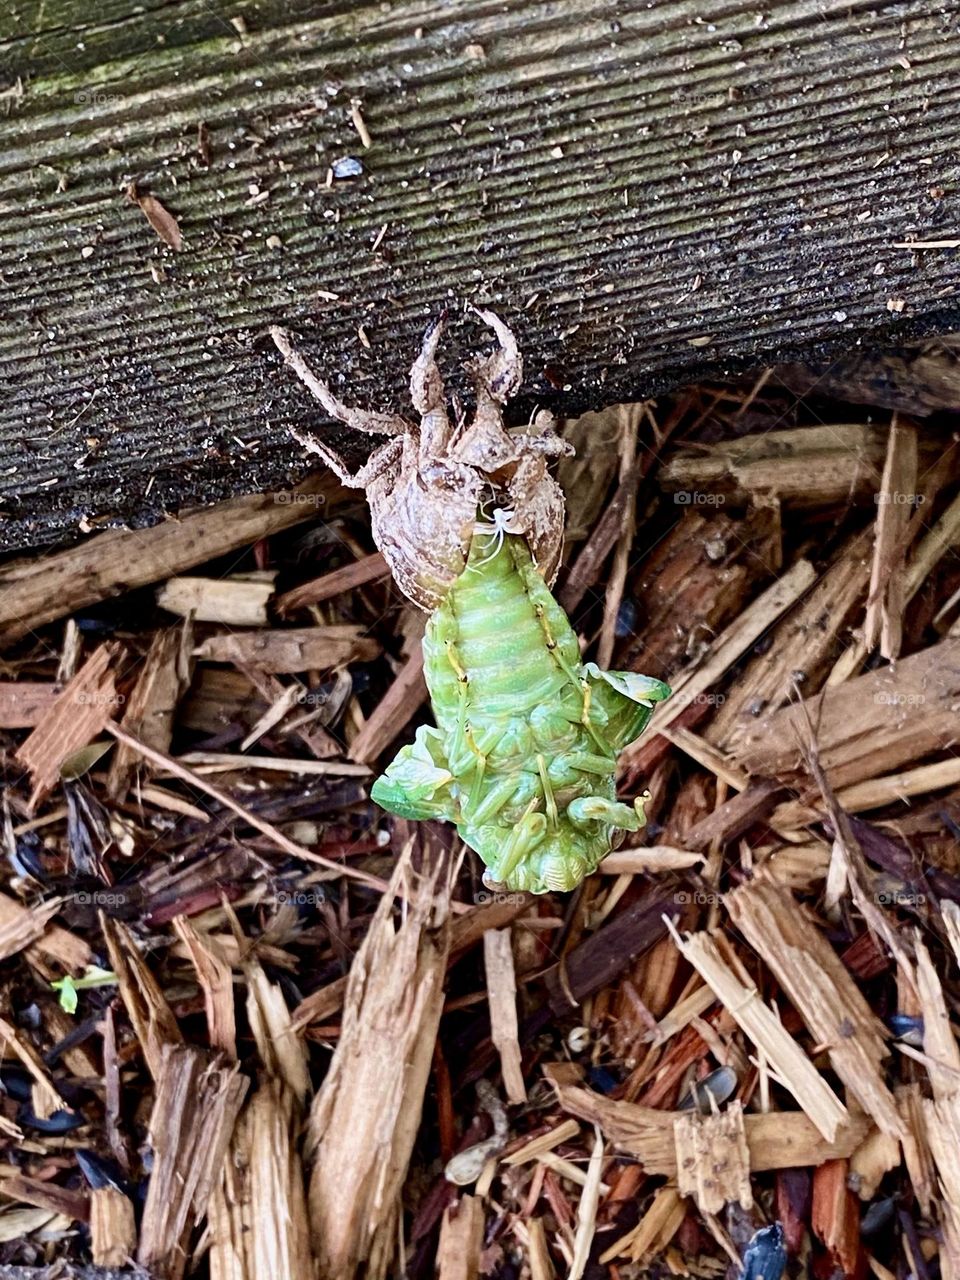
<point>523,757</point>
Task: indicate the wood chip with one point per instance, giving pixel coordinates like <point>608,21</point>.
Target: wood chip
<point>502,997</point>
<point>197,1102</point>
<point>897,499</point>
<point>74,719</point>
<point>365,1118</point>
<point>713,1163</point>
<point>370,569</point>
<point>775,1140</point>
<point>461,1240</point>
<point>292,650</point>
<point>233,602</point>
<point>823,992</point>
<point>742,1000</point>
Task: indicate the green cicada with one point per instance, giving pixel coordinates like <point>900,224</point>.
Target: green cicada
<point>523,756</point>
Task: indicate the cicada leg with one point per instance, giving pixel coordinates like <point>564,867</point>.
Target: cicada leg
<point>549,799</point>
<point>586,809</point>
<point>522,841</point>
<point>586,762</point>
<point>498,796</point>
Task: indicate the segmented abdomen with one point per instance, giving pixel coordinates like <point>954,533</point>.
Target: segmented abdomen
<point>487,630</point>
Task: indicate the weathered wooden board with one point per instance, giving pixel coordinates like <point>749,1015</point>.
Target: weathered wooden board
<point>647,191</point>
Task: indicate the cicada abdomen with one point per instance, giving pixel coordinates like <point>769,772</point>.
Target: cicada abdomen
<point>523,757</point>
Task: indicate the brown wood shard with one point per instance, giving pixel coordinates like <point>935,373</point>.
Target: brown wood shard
<point>81,711</point>
<point>198,1099</point>
<point>713,1162</point>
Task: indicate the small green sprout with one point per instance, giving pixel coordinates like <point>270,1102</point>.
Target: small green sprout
<point>93,976</point>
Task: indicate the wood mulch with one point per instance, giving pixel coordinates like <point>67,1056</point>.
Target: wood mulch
<point>252,1027</point>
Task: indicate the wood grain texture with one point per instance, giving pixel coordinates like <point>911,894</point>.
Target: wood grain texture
<point>647,191</point>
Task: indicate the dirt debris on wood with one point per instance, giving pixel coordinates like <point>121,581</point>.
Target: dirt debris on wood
<point>252,1027</point>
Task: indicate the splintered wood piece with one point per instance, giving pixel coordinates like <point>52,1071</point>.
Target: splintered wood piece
<point>804,466</point>
<point>216,982</point>
<point>283,1053</point>
<point>291,650</point>
<point>280,699</point>
<point>896,499</point>
<point>45,1097</point>
<point>865,727</point>
<point>258,1214</point>
<point>38,589</point>
<point>602,540</point>
<point>743,1003</point>
<point>74,719</point>
<point>237,601</point>
<point>151,706</point>
<point>617,575</point>
<point>695,681</point>
<point>916,1149</point>
<point>648,861</point>
<point>47,1195</point>
<point>197,1102</point>
<point>535,1147</point>
<point>822,990</point>
<point>538,1252</point>
<point>365,1118</point>
<point>152,1018</point>
<point>836,1218</point>
<point>872,1161</point>
<point>502,998</point>
<point>942,1117</point>
<point>330,585</point>
<point>735,816</point>
<point>29,927</point>
<point>467,931</point>
<point>713,1162</point>
<point>393,712</point>
<point>654,1231</point>
<point>775,1139</point>
<point>875,793</point>
<point>587,1210</point>
<point>941,1113</point>
<point>461,1240</point>
<point>931,548</point>
<point>802,646</point>
<point>923,560</point>
<point>113,1230</point>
